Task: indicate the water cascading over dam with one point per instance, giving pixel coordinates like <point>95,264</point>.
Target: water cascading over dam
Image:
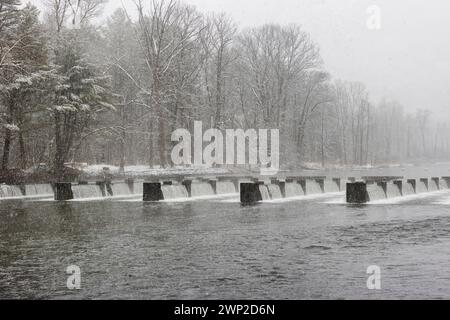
<point>313,187</point>
<point>264,190</point>
<point>121,189</point>
<point>289,187</point>
<point>188,188</point>
<point>274,191</point>
<point>393,190</point>
<point>294,189</point>
<point>86,191</point>
<point>174,191</point>
<point>225,187</point>
<point>38,190</point>
<point>376,191</point>
<point>199,189</point>
<point>422,186</point>
<point>333,185</point>
<point>362,192</point>
<point>7,191</point>
<point>433,184</point>
<point>409,187</point>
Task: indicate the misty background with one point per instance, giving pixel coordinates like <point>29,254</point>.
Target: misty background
<point>406,59</point>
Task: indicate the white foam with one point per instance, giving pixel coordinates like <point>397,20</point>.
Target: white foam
<point>207,197</point>
<point>407,198</point>
<point>307,197</point>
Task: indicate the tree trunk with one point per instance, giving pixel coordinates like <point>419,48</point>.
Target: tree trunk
<point>6,149</point>
<point>23,155</point>
<point>59,150</point>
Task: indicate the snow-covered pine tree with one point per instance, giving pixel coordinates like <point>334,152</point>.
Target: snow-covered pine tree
<point>81,92</point>
<point>26,58</point>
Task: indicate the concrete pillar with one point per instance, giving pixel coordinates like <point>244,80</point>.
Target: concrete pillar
<point>413,182</point>
<point>250,193</point>
<point>282,184</point>
<point>357,192</point>
<point>153,191</point>
<point>63,191</point>
<point>399,184</point>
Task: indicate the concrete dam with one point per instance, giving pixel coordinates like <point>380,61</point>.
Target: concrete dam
<point>250,189</point>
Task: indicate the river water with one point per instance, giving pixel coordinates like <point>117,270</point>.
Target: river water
<point>315,248</point>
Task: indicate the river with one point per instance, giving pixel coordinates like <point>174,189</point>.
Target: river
<point>315,248</point>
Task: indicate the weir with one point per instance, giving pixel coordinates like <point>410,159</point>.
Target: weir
<point>290,187</point>
<point>121,189</point>
<point>362,192</point>
<point>201,188</point>
<point>225,187</point>
<point>189,188</point>
<point>313,186</point>
<point>422,185</point>
<point>174,191</point>
<point>7,191</point>
<point>293,188</point>
<point>89,190</point>
<point>333,185</point>
<point>83,191</point>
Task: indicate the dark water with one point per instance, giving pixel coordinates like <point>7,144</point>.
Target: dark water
<point>306,249</point>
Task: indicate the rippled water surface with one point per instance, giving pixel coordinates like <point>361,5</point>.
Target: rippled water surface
<point>215,249</point>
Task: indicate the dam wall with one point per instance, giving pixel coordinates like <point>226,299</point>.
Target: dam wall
<point>370,190</point>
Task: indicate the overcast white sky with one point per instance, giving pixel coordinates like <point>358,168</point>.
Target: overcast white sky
<point>408,59</point>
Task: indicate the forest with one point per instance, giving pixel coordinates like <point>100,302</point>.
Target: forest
<point>73,90</point>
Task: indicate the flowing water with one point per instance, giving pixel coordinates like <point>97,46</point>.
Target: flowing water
<point>225,187</point>
<point>312,187</point>
<point>432,185</point>
<point>421,187</point>
<point>138,187</point>
<point>408,189</point>
<point>218,249</point>
<point>199,189</point>
<point>174,191</point>
<point>274,191</point>
<point>264,190</point>
<point>121,189</point>
<point>375,192</point>
<point>331,186</point>
<point>10,191</point>
<point>293,189</point>
<point>392,190</point>
<point>86,191</point>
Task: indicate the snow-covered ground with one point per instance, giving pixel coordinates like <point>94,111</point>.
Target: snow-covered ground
<point>142,170</point>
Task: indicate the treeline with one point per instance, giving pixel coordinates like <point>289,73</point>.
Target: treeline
<point>73,91</point>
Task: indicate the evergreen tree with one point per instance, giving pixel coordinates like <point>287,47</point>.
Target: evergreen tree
<point>27,56</point>
<point>80,94</point>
